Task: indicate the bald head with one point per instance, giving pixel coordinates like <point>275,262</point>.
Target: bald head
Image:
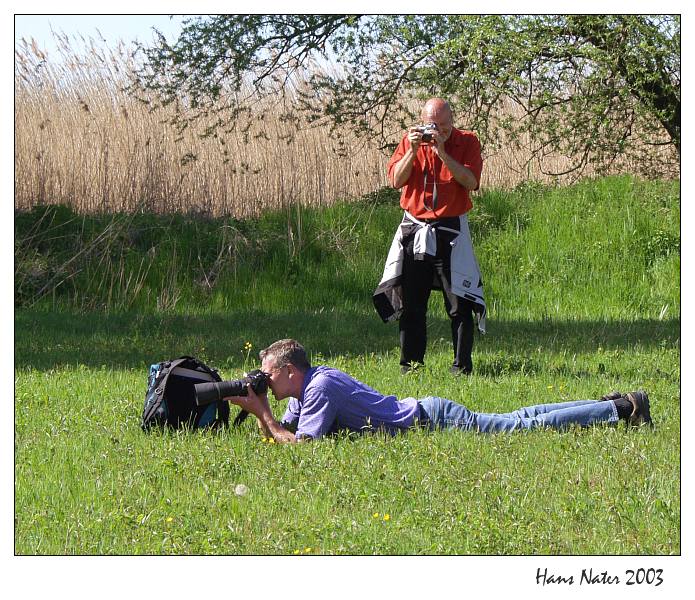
<point>438,111</point>
<point>436,107</point>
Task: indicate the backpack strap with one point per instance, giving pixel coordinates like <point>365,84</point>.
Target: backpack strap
<point>222,408</point>
<point>167,366</point>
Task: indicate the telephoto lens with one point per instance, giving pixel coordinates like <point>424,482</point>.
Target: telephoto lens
<point>207,393</point>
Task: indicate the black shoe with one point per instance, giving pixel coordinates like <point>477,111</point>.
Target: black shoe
<point>640,409</point>
<point>411,368</point>
<point>611,396</point>
<point>458,371</point>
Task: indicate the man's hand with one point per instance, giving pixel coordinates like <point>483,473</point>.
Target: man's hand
<point>415,138</point>
<point>437,144</point>
<point>252,403</point>
<point>259,407</point>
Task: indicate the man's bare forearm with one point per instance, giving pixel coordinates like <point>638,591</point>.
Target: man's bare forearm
<point>265,432</point>
<point>267,423</point>
<point>403,169</point>
<point>463,175</point>
<point>259,407</point>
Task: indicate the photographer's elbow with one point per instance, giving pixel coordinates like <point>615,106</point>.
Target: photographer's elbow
<point>397,182</point>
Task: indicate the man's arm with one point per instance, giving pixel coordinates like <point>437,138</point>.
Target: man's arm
<point>463,175</point>
<point>263,429</point>
<point>277,431</point>
<point>259,407</point>
<point>404,167</point>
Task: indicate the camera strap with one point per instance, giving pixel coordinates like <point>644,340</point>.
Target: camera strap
<point>241,417</point>
<point>427,171</point>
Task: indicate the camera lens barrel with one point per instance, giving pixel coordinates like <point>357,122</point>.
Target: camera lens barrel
<point>207,393</point>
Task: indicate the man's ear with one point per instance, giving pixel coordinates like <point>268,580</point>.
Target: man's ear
<point>294,372</point>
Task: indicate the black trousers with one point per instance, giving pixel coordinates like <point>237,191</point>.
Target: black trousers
<point>416,281</point>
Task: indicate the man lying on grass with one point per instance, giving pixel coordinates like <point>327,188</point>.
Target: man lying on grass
<point>324,400</point>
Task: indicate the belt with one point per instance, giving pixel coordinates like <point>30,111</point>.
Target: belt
<point>450,222</point>
<point>443,221</point>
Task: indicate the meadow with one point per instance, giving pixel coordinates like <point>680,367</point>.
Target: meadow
<point>583,287</point>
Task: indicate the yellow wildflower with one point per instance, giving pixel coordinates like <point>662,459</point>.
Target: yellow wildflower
<point>387,517</point>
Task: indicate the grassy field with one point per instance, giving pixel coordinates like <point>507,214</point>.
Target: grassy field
<point>583,286</point>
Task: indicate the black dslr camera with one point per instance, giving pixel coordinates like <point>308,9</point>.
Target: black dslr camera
<point>207,393</point>
<point>427,131</point>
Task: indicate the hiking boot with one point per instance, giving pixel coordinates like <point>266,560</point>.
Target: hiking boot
<point>611,396</point>
<point>640,409</point>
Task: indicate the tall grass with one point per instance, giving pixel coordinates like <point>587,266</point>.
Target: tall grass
<point>536,243</point>
<point>81,141</point>
<point>84,142</point>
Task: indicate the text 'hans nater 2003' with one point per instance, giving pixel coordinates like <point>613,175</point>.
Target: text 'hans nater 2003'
<point>589,577</point>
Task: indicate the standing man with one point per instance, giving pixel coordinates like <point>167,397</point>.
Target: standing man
<point>432,249</point>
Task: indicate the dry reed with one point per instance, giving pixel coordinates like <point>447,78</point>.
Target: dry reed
<point>80,140</point>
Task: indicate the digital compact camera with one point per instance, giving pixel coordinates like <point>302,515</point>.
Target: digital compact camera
<point>427,131</point>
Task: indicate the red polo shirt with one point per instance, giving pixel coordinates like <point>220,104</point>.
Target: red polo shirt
<point>451,199</point>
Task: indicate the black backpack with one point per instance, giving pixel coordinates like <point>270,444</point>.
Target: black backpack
<point>170,398</point>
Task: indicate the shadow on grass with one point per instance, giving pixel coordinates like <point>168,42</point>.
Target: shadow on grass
<point>45,340</point>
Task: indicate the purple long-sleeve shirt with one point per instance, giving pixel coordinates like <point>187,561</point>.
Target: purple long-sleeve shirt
<point>332,400</point>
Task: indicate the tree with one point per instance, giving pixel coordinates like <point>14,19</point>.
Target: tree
<point>590,87</point>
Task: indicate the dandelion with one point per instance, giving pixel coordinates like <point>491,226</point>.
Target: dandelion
<point>247,351</point>
<point>307,550</point>
<point>241,490</point>
<point>387,517</point>
<point>297,551</point>
<point>375,515</point>
<point>170,519</point>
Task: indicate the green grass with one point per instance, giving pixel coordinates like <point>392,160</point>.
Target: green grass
<point>584,291</point>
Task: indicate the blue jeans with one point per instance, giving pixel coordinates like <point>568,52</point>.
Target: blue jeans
<point>440,413</point>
